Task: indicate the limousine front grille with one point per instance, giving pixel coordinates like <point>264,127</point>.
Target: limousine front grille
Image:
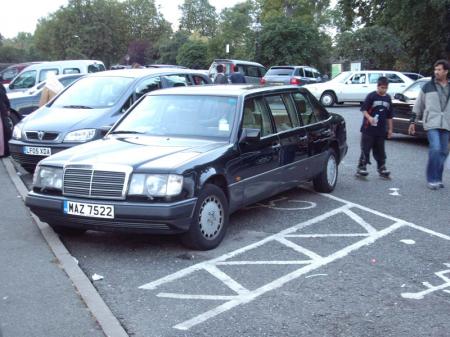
<point>41,135</point>
<point>94,183</point>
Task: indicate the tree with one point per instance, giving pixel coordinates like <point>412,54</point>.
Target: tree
<point>290,41</point>
<point>192,54</point>
<point>168,48</point>
<point>198,16</point>
<point>377,47</point>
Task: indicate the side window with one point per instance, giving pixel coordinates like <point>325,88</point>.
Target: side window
<point>147,85</point>
<point>94,68</point>
<point>71,71</point>
<point>170,81</point>
<point>304,108</point>
<point>358,79</point>
<point>279,112</point>
<point>316,74</point>
<point>262,71</point>
<point>25,80</point>
<point>129,102</point>
<point>308,73</point>
<point>373,77</point>
<point>44,73</point>
<point>291,110</point>
<point>393,78</point>
<point>199,80</point>
<point>252,71</point>
<point>255,116</point>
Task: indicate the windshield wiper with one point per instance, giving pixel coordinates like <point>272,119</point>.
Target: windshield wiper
<point>77,107</point>
<point>125,131</point>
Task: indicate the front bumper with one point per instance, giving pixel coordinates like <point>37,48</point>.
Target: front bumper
<point>16,148</point>
<point>136,217</point>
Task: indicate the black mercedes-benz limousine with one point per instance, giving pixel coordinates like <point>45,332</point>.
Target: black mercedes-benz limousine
<point>183,159</point>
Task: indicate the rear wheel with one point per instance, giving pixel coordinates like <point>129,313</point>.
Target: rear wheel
<point>210,220</point>
<point>326,180</point>
<point>328,99</point>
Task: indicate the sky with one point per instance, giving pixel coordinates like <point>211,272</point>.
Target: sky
<point>22,15</point>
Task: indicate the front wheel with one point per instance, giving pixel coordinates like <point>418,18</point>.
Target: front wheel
<point>328,99</point>
<point>210,220</point>
<point>325,181</point>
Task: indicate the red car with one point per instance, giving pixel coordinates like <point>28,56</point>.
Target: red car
<point>7,74</point>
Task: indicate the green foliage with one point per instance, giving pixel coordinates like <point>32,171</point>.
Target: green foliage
<point>192,54</point>
<point>377,47</point>
<point>290,41</point>
<point>198,16</point>
<point>168,49</point>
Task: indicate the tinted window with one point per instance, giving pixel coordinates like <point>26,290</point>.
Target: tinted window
<point>262,71</point>
<point>256,116</point>
<point>393,78</point>
<point>94,92</point>
<point>251,71</point>
<point>280,72</point>
<point>308,73</point>
<point>71,71</point>
<point>304,109</point>
<point>183,115</point>
<point>67,80</point>
<point>45,72</point>
<point>279,112</point>
<point>299,72</point>
<point>170,81</point>
<point>147,85</point>
<point>96,67</point>
<point>25,80</point>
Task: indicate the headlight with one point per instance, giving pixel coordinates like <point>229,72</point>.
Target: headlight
<point>80,135</point>
<point>17,132</point>
<point>48,177</point>
<point>155,185</point>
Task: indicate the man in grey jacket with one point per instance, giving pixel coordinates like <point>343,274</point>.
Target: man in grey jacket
<point>433,108</point>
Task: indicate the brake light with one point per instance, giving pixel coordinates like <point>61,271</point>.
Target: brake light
<point>262,81</point>
<point>295,81</point>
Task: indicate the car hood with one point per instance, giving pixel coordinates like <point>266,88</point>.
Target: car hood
<point>139,151</point>
<point>62,120</point>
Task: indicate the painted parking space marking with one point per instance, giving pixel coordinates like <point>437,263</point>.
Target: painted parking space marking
<point>430,288</point>
<point>308,262</point>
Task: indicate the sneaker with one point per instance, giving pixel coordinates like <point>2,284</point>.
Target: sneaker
<point>384,172</point>
<point>362,171</point>
<point>441,185</point>
<point>434,186</point>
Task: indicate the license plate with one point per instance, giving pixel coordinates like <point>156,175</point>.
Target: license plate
<point>89,210</point>
<point>37,151</point>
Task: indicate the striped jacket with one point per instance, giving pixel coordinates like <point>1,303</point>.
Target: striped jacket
<point>428,108</point>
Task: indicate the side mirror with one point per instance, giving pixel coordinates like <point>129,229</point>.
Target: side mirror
<point>250,135</point>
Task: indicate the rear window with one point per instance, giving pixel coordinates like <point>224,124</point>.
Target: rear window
<point>280,72</point>
<point>96,67</point>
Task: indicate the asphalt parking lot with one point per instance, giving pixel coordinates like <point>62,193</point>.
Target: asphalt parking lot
<point>372,259</point>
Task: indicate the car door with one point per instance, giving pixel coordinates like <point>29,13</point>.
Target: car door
<point>293,138</point>
<point>317,123</point>
<point>257,164</point>
<point>396,83</point>
<point>355,88</point>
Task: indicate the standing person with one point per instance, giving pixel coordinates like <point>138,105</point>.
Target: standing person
<point>5,131</point>
<point>51,89</point>
<point>237,77</point>
<point>220,78</point>
<point>377,110</point>
<point>433,104</point>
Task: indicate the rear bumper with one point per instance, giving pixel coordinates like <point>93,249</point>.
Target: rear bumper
<point>159,218</point>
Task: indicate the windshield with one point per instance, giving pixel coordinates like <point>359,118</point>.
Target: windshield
<point>94,92</point>
<point>413,90</point>
<point>342,77</point>
<point>280,72</point>
<point>184,116</point>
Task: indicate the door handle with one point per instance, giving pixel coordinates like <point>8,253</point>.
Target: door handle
<point>276,146</point>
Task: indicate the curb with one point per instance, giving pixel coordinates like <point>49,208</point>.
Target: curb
<point>98,308</point>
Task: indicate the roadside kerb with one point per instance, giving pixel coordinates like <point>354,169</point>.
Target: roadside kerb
<point>100,311</point>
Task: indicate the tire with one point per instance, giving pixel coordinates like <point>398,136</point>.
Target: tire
<point>328,99</point>
<point>326,180</point>
<point>210,220</point>
<point>69,231</point>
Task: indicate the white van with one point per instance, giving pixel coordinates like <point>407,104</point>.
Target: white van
<point>37,73</point>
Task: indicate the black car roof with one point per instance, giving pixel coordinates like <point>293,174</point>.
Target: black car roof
<point>141,72</point>
<point>227,90</point>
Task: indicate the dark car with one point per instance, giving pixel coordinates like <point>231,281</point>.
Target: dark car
<point>298,75</point>
<point>402,105</point>
<point>183,159</point>
<point>88,108</point>
<point>25,102</point>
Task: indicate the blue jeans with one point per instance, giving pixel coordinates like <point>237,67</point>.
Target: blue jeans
<point>437,153</point>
